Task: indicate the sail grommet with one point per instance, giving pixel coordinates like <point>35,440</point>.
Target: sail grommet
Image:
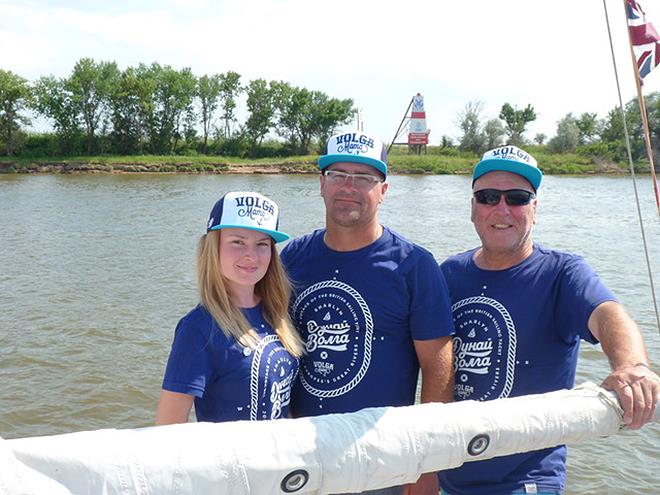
<point>294,481</point>
<point>478,444</point>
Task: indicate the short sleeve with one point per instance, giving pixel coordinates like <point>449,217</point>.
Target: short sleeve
<point>581,292</point>
<point>430,306</point>
<point>189,368</point>
<point>285,254</point>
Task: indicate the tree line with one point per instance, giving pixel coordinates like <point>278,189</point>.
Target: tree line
<point>155,109</point>
<point>585,133</point>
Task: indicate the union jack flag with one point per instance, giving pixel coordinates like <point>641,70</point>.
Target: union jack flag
<point>644,38</point>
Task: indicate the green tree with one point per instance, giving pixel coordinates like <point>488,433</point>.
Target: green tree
<point>131,93</point>
<point>261,111</point>
<point>447,142</point>
<point>612,126</point>
<point>14,98</point>
<point>294,114</point>
<point>230,88</point>
<point>516,121</point>
<point>636,128</point>
<point>493,132</point>
<point>175,95</point>
<point>540,138</point>
<point>166,96</point>
<point>653,113</point>
<point>91,86</point>
<point>54,100</point>
<point>303,115</point>
<point>293,106</point>
<point>587,124</point>
<point>612,132</point>
<point>329,114</point>
<point>567,137</point>
<point>468,120</point>
<point>189,129</point>
<point>208,92</point>
<point>147,83</point>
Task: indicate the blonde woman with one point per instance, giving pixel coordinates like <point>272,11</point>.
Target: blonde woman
<point>236,354</point>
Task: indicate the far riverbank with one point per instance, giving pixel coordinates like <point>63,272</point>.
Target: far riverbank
<point>399,163</point>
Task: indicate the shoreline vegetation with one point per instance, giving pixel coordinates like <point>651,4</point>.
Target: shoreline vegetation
<point>152,118</point>
<point>436,161</point>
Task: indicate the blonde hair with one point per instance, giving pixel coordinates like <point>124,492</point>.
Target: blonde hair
<point>274,289</point>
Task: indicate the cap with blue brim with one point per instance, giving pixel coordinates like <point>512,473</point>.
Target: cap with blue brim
<point>509,159</point>
<point>246,210</point>
<point>356,147</point>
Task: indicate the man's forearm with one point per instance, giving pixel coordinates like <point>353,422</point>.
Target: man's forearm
<point>436,360</point>
<point>619,336</point>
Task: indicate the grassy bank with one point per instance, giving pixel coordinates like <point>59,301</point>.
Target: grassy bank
<point>157,164</point>
<point>435,161</point>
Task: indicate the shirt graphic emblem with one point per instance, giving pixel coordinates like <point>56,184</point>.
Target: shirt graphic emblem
<point>337,327</point>
<point>484,349</point>
<point>271,377</point>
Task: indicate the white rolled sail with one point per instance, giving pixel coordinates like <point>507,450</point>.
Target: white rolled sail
<point>338,453</point>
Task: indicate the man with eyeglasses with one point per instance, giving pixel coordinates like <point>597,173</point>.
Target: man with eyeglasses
<point>520,311</point>
<point>372,307</point>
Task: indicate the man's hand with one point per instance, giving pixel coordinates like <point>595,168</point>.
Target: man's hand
<point>638,391</point>
<point>633,382</point>
<point>427,484</point>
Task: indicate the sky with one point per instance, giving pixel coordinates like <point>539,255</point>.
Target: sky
<point>552,54</point>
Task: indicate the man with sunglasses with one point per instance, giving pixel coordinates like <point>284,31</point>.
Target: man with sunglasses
<point>372,307</point>
<point>520,311</point>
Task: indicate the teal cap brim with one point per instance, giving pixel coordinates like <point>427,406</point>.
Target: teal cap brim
<point>276,235</point>
<point>532,174</point>
<point>327,160</point>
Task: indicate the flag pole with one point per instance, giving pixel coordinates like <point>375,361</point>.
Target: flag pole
<point>396,135</point>
<point>632,170</point>
<point>642,109</point>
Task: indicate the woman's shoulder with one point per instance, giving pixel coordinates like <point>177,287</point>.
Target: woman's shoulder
<point>200,322</point>
<point>197,315</point>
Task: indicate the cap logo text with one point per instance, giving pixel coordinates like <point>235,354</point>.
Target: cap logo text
<point>255,209</point>
<point>354,143</point>
<point>510,150</point>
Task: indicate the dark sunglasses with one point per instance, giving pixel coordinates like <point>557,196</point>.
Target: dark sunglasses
<point>513,197</point>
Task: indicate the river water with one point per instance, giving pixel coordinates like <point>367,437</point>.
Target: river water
<point>97,269</point>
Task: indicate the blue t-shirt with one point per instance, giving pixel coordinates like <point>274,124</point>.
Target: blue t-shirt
<point>230,382</point>
<point>518,332</point>
<point>358,313</point>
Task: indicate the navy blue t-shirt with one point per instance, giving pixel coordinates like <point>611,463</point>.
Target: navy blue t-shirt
<point>358,313</point>
<point>230,382</point>
<point>518,332</point>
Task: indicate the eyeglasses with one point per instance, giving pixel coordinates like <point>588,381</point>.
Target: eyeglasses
<point>513,197</point>
<point>360,181</point>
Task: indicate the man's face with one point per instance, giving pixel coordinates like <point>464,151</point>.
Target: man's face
<point>349,202</point>
<point>502,228</point>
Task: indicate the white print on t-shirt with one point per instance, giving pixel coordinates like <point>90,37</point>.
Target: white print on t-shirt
<point>484,349</point>
<point>271,377</point>
<point>337,327</point>
<point>472,357</point>
<point>280,393</point>
<point>333,336</point>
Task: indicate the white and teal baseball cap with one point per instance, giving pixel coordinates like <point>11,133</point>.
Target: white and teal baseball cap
<point>509,159</point>
<point>356,147</point>
<point>246,210</point>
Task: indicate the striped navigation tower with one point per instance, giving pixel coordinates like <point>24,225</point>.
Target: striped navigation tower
<point>414,121</point>
<point>418,134</point>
